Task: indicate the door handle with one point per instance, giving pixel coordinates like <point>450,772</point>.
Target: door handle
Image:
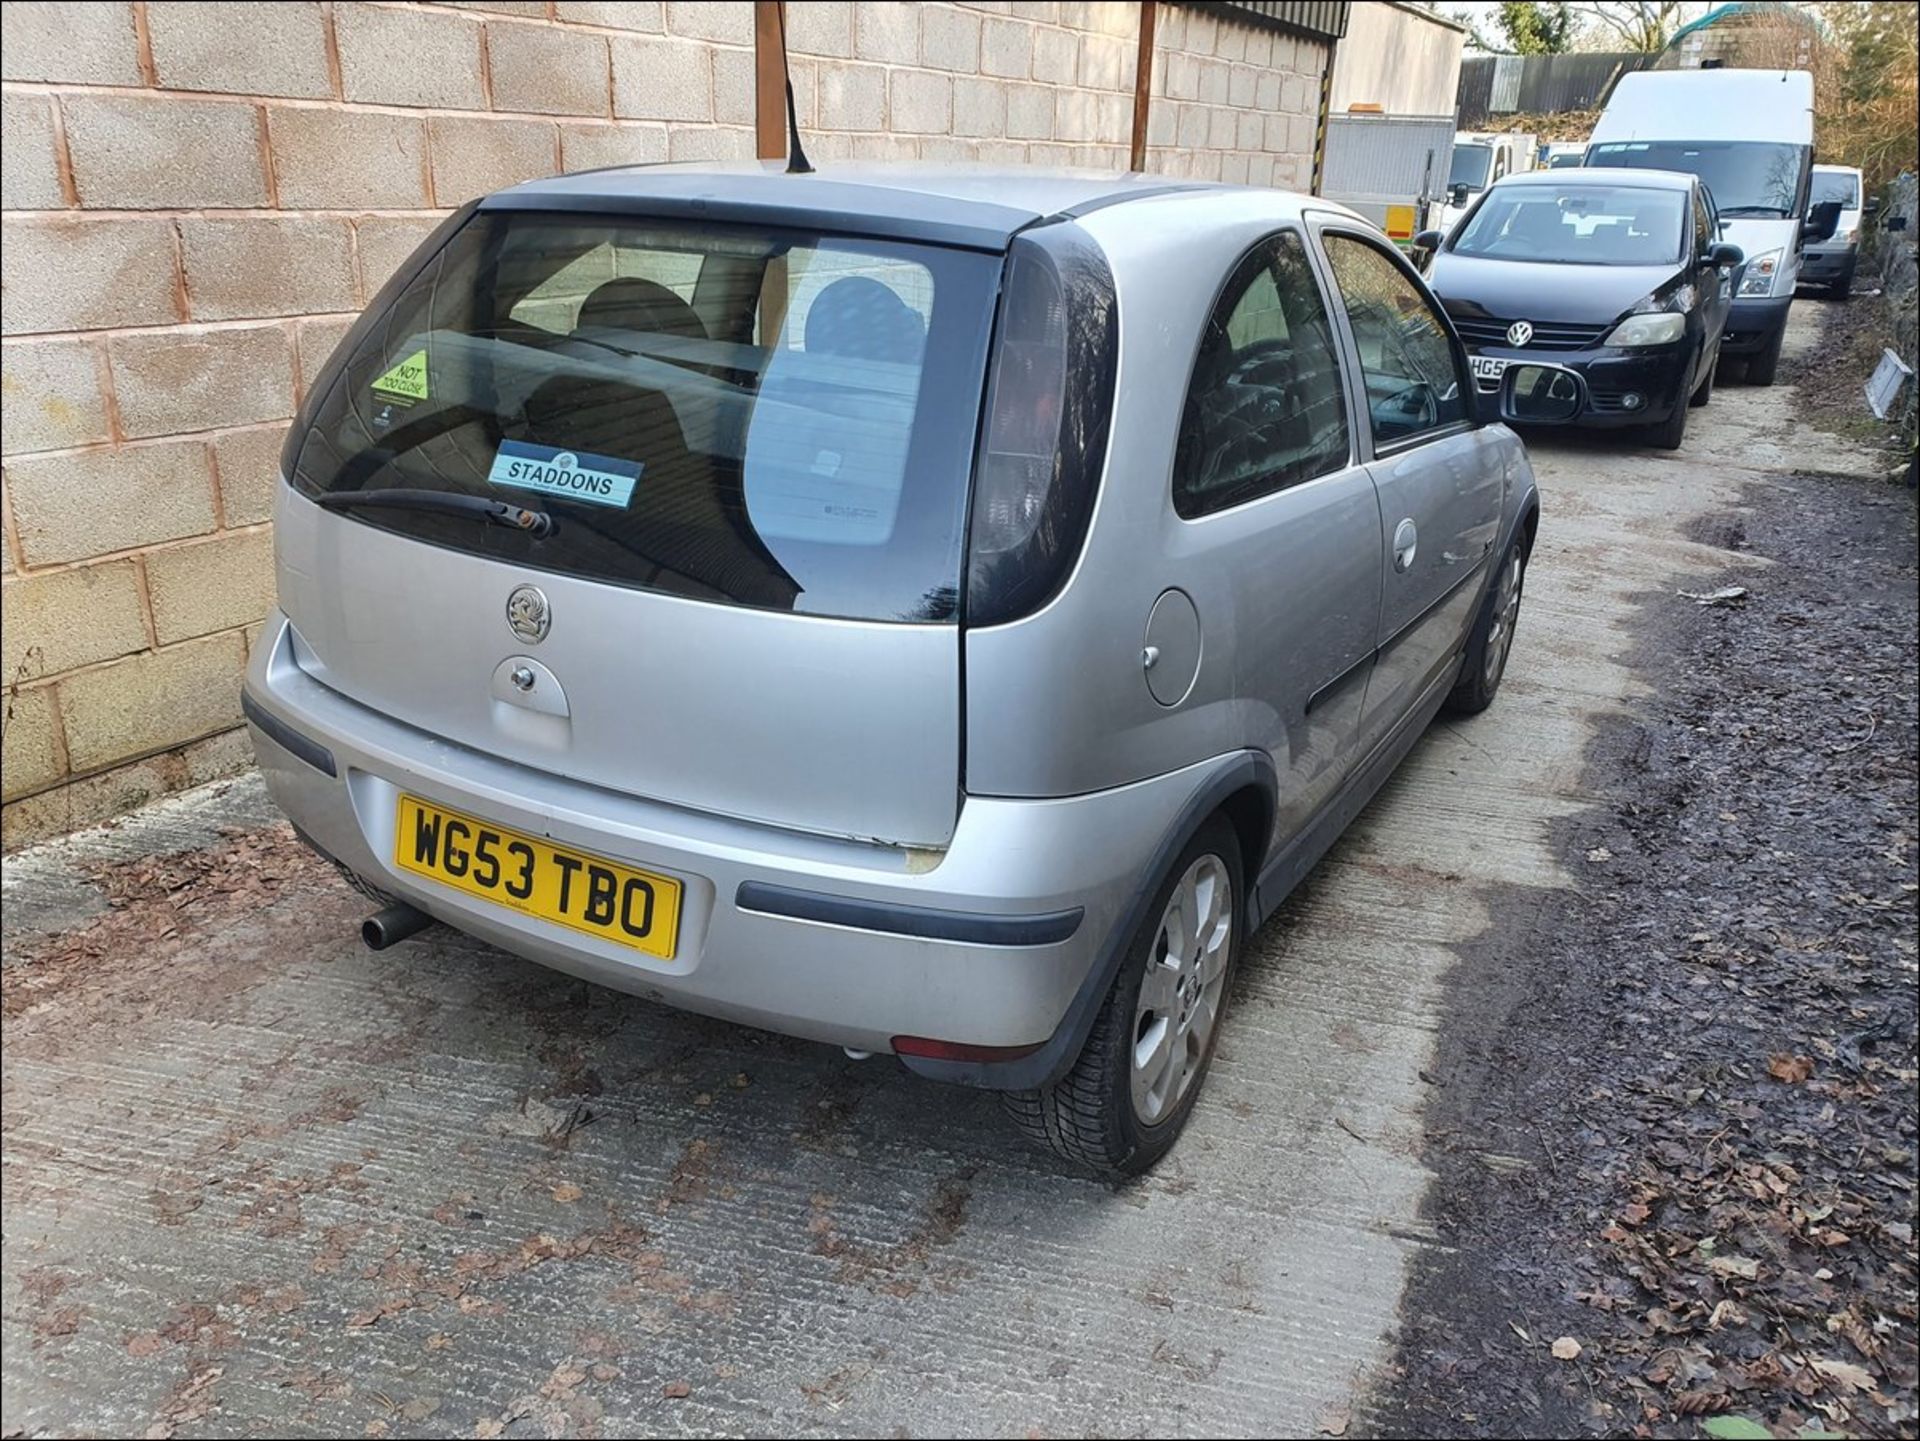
<point>1406,540</point>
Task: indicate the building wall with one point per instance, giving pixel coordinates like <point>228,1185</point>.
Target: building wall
<point>1403,60</point>
<point>199,197</point>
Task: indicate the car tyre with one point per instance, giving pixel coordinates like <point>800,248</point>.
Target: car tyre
<point>1127,1097</point>
<point>1671,432</point>
<point>1485,661</point>
<point>1764,363</point>
<point>1703,392</point>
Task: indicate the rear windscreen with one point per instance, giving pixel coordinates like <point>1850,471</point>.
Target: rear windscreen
<point>781,420</point>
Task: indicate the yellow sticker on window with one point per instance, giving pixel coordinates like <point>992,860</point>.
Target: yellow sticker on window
<point>407,380</point>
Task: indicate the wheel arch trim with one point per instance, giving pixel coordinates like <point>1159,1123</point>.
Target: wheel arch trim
<point>1231,777</point>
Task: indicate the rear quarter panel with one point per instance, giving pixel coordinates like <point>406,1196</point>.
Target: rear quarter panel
<point>1057,703</point>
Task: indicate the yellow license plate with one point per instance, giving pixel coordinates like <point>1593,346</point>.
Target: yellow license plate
<point>537,878</point>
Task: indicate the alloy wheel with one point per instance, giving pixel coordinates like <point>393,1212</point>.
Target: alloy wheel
<point>1181,992</point>
<point>1506,615</point>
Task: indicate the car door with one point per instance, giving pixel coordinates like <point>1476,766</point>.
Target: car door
<point>1439,476</point>
<point>1273,502</point>
<point>1714,282</point>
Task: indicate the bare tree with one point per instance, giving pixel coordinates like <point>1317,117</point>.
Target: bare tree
<point>1643,25</point>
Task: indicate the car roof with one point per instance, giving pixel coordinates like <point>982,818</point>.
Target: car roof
<point>1624,176</point>
<point>977,206</point>
<point>1836,170</point>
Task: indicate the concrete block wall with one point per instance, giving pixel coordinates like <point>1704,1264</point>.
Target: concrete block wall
<point>199,197</point>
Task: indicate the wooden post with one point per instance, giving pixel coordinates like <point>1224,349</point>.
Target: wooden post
<point>769,80</point>
<point>1142,86</point>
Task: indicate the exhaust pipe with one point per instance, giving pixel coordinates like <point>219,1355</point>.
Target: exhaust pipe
<point>393,925</point>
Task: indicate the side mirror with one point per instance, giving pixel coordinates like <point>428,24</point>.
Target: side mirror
<point>1725,255</point>
<point>1457,197</point>
<point>1822,220</point>
<point>1872,206</point>
<point>1541,395</point>
<point>1429,239</point>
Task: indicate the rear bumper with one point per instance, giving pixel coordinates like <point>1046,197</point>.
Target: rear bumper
<point>1752,324</point>
<point>1624,387</point>
<point>985,944</point>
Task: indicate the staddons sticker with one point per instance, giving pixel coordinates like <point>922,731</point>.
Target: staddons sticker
<point>575,474</point>
<point>405,382</point>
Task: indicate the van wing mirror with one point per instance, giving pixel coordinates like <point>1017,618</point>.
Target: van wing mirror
<point>1541,394</point>
<point>1872,206</point>
<point>1725,255</point>
<point>1822,220</point>
<point>1428,240</point>
<point>1457,197</point>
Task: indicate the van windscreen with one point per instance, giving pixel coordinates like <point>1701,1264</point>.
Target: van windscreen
<point>1471,165</point>
<point>1835,186</point>
<point>1748,178</point>
<point>743,415</point>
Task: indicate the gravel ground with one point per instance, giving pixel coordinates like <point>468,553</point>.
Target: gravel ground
<point>1674,1130</point>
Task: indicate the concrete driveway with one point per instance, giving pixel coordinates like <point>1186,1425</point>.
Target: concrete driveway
<point>259,1180</point>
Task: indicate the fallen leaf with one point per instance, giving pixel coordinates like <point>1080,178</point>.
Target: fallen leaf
<point>1634,1213</point>
<point>1333,1421</point>
<point>676,1390</point>
<point>567,1193</point>
<point>1854,1378</point>
<point>1743,1266</point>
<point>1566,1349</point>
<point>1735,1428</point>
<point>1726,1313</point>
<point>1791,1069</point>
<point>1599,853</point>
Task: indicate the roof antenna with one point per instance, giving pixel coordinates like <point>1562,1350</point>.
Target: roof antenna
<point>797,163</point>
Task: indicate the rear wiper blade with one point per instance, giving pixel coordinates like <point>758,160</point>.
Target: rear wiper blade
<point>536,523</point>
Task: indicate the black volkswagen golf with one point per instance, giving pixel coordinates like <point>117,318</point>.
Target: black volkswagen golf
<point>1618,274</point>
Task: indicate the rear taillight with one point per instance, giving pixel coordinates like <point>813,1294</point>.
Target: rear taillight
<point>1020,449</point>
<point>1044,442</point>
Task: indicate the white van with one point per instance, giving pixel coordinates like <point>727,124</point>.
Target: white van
<point>1479,159</point>
<point>1749,135</point>
<point>1831,262</point>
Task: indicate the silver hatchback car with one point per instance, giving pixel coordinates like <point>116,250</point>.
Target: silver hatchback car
<point>937,612</point>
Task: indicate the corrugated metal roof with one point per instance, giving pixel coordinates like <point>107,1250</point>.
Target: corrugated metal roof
<point>1321,19</point>
<point>1739,9</point>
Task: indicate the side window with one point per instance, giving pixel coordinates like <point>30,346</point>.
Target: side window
<point>1265,409</point>
<point>1406,357</point>
<point>1702,227</point>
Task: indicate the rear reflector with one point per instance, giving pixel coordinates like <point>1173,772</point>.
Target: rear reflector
<point>955,1051</point>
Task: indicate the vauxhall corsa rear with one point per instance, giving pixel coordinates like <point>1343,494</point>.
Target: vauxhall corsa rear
<point>747,591</point>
